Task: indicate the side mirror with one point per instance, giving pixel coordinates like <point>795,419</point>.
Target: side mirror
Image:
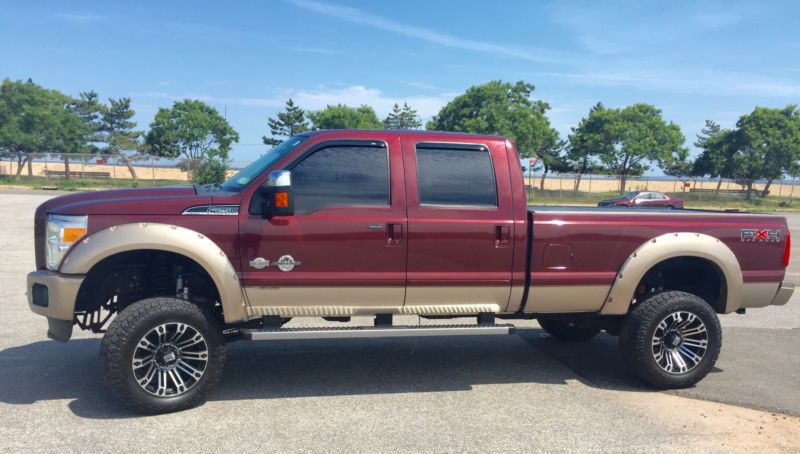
<point>277,192</point>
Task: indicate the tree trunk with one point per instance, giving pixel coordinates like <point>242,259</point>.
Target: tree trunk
<point>30,165</point>
<point>749,189</point>
<point>66,167</point>
<point>765,192</point>
<point>21,160</point>
<point>578,182</point>
<point>719,185</point>
<point>623,180</point>
<point>129,164</point>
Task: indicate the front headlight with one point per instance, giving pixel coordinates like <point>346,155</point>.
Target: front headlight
<point>62,231</point>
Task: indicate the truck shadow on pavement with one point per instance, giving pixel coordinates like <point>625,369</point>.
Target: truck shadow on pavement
<point>48,370</point>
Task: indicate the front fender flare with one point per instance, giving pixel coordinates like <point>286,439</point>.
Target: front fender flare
<point>163,237</point>
<point>667,246</point>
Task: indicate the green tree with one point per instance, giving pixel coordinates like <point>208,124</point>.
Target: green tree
<point>119,133</point>
<point>508,110</point>
<point>680,167</point>
<point>193,130</point>
<point>402,118</point>
<point>37,120</point>
<point>82,134</point>
<point>719,146</point>
<point>211,171</point>
<point>345,117</point>
<point>287,124</point>
<point>631,138</point>
<point>550,156</point>
<point>587,141</point>
<point>769,144</point>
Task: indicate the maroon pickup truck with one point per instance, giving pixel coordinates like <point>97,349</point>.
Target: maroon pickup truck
<point>336,224</point>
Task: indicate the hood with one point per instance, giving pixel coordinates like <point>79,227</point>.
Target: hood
<point>168,200</point>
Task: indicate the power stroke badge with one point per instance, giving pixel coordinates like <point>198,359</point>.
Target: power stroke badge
<point>285,263</point>
<point>761,235</point>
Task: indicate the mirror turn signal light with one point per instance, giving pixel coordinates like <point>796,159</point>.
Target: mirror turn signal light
<point>282,200</point>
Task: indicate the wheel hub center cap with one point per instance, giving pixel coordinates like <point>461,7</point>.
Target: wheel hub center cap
<point>167,356</point>
<point>673,340</point>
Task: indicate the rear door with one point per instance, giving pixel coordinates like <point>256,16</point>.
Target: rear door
<point>460,218</point>
<point>344,250</point>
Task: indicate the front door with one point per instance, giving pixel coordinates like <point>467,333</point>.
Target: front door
<point>460,242</point>
<point>344,251</point>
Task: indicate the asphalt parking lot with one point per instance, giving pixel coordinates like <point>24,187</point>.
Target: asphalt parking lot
<point>524,392</point>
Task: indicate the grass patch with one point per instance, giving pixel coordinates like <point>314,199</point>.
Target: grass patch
<point>83,184</point>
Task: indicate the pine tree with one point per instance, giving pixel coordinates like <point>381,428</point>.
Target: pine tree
<point>289,123</point>
<point>119,132</point>
<point>405,118</point>
<point>392,120</point>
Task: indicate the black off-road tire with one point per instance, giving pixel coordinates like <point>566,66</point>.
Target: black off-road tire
<point>637,337</point>
<point>569,330</point>
<point>134,322</point>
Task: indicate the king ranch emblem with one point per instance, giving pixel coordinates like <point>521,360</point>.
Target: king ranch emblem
<point>761,235</point>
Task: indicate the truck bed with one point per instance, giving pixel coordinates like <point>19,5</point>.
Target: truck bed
<point>578,253</point>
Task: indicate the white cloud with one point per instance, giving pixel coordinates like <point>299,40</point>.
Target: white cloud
<point>316,50</point>
<point>717,19</point>
<point>76,17</point>
<point>319,97</point>
<point>358,16</point>
<point>687,81</point>
<point>355,95</point>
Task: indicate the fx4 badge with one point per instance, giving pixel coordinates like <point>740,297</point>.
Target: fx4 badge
<point>285,263</point>
<point>761,235</point>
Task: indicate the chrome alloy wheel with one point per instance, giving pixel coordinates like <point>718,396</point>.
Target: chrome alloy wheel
<point>679,342</point>
<point>170,359</point>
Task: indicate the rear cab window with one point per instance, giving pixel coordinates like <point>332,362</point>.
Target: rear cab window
<point>455,175</point>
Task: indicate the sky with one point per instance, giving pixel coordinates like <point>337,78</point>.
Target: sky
<point>693,60</point>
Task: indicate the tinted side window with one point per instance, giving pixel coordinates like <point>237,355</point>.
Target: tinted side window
<point>341,176</point>
<point>455,176</point>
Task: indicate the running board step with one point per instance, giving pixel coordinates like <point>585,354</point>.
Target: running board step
<point>379,331</point>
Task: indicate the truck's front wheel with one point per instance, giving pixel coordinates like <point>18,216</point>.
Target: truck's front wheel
<point>163,355</point>
<point>671,340</point>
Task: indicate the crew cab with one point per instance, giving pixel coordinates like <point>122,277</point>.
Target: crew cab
<point>336,224</point>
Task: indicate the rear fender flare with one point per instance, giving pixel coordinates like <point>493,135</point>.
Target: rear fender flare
<point>667,246</point>
<point>163,237</point>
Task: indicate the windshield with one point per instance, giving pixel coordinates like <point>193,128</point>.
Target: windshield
<point>628,195</point>
<point>237,182</point>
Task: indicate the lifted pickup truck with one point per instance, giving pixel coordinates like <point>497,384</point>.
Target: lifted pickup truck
<point>335,224</point>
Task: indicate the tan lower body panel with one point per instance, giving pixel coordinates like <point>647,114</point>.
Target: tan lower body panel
<point>354,301</point>
<point>758,294</point>
<point>458,296</point>
<point>515,300</point>
<point>566,298</point>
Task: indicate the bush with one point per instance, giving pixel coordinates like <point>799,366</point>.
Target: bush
<point>210,171</point>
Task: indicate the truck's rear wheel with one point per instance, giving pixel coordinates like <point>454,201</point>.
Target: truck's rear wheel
<point>671,340</point>
<point>163,355</point>
<point>569,330</point>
